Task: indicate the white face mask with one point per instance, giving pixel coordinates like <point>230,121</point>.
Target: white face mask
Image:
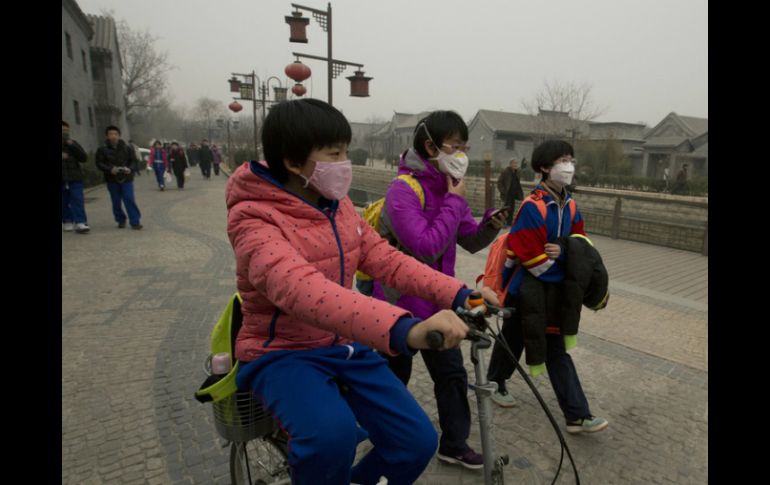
<point>454,165</point>
<point>563,173</point>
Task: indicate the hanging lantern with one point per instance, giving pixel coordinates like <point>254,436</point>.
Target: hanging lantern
<point>235,85</point>
<point>359,85</point>
<point>297,25</point>
<point>280,93</point>
<point>297,71</point>
<point>235,106</point>
<point>299,89</point>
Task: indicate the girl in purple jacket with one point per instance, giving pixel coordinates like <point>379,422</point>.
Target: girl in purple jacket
<point>431,234</point>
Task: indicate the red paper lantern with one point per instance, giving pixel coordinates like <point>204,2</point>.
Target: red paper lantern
<point>299,89</point>
<point>297,71</point>
<point>235,106</point>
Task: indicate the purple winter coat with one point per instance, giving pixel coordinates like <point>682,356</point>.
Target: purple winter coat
<point>430,235</point>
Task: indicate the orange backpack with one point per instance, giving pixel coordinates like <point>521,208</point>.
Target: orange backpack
<point>493,270</point>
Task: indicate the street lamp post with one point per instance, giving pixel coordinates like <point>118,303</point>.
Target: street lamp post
<point>250,93</point>
<point>226,122</point>
<point>279,93</point>
<point>359,82</point>
<point>488,191</point>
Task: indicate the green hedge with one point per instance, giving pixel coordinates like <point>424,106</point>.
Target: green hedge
<point>697,186</point>
<point>92,176</point>
<point>359,156</point>
<point>240,156</point>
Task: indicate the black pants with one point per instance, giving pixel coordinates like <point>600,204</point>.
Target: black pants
<point>561,369</point>
<point>509,201</point>
<point>179,174</point>
<point>450,386</point>
<point>206,169</point>
<point>216,169</point>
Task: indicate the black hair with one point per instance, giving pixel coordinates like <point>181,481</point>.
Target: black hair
<point>111,128</point>
<point>64,123</point>
<point>295,128</point>
<point>548,152</point>
<point>157,142</point>
<point>441,125</point>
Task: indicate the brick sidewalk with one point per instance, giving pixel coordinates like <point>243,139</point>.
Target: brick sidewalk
<point>138,306</point>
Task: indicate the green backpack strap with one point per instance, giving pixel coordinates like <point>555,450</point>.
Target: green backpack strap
<point>223,336</point>
<point>371,213</point>
<point>415,185</point>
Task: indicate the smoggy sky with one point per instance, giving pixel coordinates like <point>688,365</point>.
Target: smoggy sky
<point>644,59</point>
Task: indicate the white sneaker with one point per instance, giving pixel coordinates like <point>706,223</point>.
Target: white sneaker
<point>68,227</point>
<point>82,228</point>
<point>503,399</point>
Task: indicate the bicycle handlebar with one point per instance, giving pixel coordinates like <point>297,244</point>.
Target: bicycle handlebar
<point>475,320</point>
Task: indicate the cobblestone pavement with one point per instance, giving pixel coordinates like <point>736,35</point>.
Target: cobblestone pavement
<point>138,307</point>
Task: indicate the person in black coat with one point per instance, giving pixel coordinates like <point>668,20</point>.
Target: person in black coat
<point>73,210</point>
<point>205,158</point>
<point>117,160</point>
<point>509,186</point>
<point>178,161</point>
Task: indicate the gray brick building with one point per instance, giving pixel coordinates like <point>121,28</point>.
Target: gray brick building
<point>109,104</point>
<point>674,141</point>
<point>92,86</point>
<point>77,91</point>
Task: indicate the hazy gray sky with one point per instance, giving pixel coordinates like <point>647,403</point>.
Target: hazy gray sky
<point>643,58</point>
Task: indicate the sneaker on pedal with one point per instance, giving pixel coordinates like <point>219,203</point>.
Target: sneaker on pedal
<point>68,227</point>
<point>82,228</point>
<point>469,459</point>
<point>503,399</point>
<point>588,425</point>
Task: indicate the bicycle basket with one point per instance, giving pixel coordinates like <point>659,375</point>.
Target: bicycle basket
<point>240,417</point>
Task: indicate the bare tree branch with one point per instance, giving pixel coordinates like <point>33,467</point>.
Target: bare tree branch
<point>144,69</point>
<point>562,108</point>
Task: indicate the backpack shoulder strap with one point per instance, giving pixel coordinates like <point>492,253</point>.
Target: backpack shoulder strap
<point>534,199</point>
<point>415,185</point>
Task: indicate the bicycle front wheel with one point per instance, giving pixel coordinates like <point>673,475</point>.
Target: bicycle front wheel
<point>262,461</point>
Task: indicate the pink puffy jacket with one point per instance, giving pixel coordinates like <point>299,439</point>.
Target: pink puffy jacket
<point>295,265</point>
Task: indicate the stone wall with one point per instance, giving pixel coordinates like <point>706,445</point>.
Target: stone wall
<point>661,219</point>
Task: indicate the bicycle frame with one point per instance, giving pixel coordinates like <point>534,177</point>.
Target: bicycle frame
<point>480,342</point>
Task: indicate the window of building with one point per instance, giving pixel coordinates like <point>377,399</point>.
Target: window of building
<point>509,143</point>
<point>90,117</point>
<point>85,63</point>
<point>76,105</point>
<point>96,69</point>
<point>68,42</point>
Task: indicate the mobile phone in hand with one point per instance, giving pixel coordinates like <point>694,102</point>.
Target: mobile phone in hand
<point>498,211</point>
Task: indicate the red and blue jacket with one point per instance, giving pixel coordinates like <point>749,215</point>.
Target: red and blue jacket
<point>530,233</point>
